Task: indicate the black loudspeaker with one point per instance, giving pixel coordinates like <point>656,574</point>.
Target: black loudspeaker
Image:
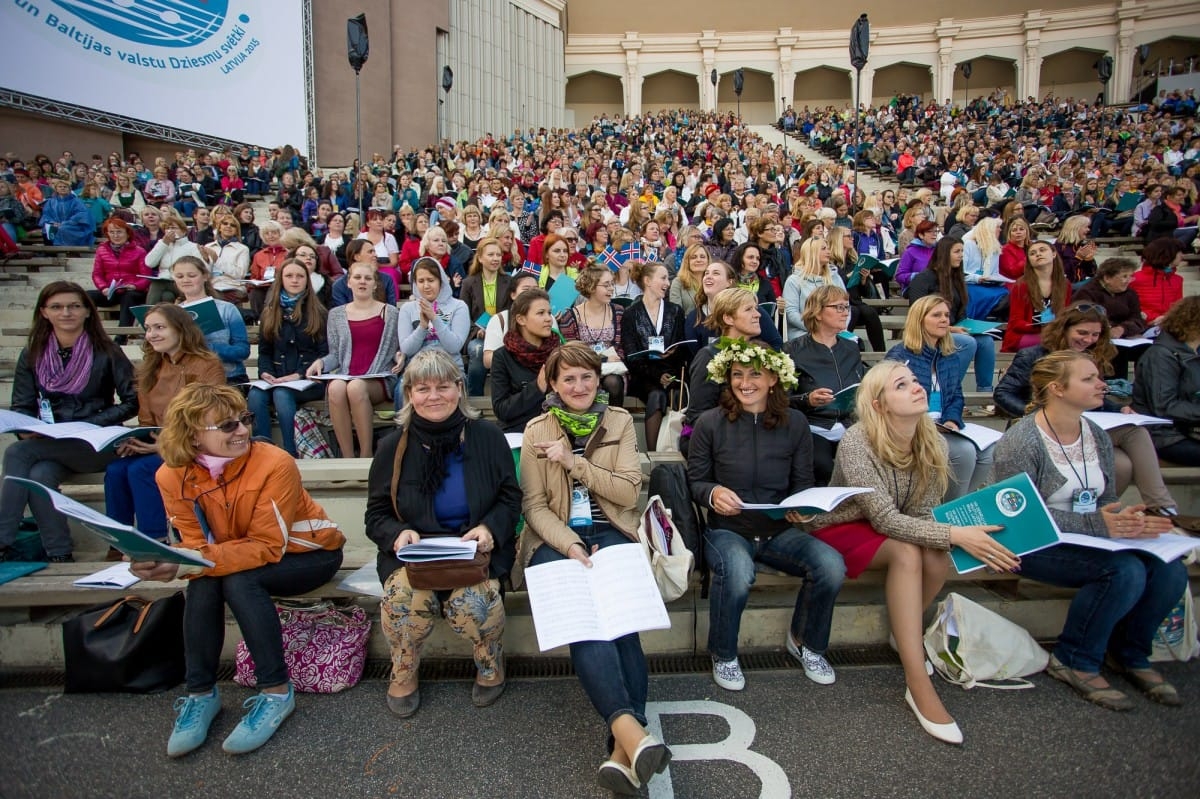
<point>1104,67</point>
<point>1143,53</point>
<point>447,79</point>
<point>967,69</point>
<point>713,77</point>
<point>739,81</point>
<point>357,44</point>
<point>860,42</point>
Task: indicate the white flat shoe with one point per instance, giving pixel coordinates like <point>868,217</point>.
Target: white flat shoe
<point>896,649</point>
<point>948,733</point>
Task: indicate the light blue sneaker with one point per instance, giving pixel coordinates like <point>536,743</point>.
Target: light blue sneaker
<point>194,716</point>
<point>257,726</point>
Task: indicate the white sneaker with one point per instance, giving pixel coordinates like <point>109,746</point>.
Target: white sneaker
<point>816,667</point>
<point>728,675</point>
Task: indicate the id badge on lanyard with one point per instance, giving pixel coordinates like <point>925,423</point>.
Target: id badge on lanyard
<point>1084,500</point>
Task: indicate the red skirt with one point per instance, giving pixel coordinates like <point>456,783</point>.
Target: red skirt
<point>856,541</point>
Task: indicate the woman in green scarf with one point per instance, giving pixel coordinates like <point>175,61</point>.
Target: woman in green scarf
<point>580,478</point>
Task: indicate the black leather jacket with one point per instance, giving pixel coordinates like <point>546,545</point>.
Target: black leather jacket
<point>818,366</point>
<point>112,374</point>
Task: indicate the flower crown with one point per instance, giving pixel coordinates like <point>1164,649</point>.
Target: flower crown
<point>737,350</point>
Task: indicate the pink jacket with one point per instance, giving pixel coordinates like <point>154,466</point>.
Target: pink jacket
<point>126,268</point>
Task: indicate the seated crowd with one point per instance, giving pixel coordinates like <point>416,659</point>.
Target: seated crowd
<point>648,258</point>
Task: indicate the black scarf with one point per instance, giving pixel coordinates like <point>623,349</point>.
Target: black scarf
<point>439,440</point>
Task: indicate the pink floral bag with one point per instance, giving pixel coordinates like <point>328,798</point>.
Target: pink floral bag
<point>324,648</point>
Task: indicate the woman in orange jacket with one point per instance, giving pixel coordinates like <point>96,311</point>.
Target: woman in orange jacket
<point>241,505</point>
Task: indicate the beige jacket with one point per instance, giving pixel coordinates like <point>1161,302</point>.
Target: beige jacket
<point>609,469</point>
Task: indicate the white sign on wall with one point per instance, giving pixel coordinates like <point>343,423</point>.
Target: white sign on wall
<point>227,68</point>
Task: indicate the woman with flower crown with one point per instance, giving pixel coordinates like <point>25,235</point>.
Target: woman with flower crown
<point>754,448</point>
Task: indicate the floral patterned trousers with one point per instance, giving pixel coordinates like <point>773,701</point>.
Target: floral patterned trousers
<point>408,614</point>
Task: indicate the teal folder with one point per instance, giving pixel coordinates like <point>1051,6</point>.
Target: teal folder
<point>1013,503</point>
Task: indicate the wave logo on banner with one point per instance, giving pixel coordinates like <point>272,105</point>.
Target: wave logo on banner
<point>163,23</point>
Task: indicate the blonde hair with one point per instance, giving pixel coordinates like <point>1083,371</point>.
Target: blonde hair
<point>914,325</point>
<point>925,456</point>
<point>986,235</point>
<point>1074,230</point>
<point>809,262</point>
<point>686,277</point>
<point>1051,369</point>
<point>184,419</point>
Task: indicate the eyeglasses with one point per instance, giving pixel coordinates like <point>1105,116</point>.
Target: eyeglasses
<point>841,307</point>
<point>1089,308</point>
<point>231,425</point>
<point>74,307</point>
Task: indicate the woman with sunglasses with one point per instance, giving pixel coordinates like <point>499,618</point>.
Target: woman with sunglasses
<point>69,371</point>
<point>243,506</point>
<point>291,336</point>
<point>174,355</point>
<point>1084,327</point>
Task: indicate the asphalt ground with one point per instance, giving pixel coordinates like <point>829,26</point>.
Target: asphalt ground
<point>542,739</point>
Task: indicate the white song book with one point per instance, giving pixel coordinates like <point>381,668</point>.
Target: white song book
<point>616,597</point>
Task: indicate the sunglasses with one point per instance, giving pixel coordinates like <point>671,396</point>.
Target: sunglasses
<point>1088,308</point>
<point>231,425</point>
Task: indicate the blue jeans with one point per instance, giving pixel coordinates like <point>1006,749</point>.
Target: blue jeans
<point>476,373</point>
<point>1122,598</point>
<point>613,673</point>
<point>286,401</point>
<point>731,559</point>
<point>47,461</point>
<point>982,351</point>
<point>248,594</point>
<point>130,493</point>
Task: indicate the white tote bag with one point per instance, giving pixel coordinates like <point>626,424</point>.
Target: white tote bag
<point>1175,638</point>
<point>672,423</point>
<point>971,646</point>
<point>670,559</point>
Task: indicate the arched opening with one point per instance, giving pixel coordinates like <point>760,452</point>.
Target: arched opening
<point>1168,64</point>
<point>821,87</point>
<point>593,93</point>
<point>670,89</point>
<point>988,74</point>
<point>758,96</point>
<point>1071,74</point>
<point>902,78</point>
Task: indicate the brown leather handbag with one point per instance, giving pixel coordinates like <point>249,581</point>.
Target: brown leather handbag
<point>438,575</point>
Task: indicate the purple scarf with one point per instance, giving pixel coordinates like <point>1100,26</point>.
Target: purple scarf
<point>70,378</point>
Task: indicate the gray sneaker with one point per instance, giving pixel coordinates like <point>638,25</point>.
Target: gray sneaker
<point>728,674</point>
<point>816,667</point>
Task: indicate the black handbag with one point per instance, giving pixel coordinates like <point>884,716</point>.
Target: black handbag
<point>133,645</point>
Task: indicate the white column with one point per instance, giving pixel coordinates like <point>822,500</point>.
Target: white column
<point>1031,74</point>
<point>708,44</point>
<point>943,78</point>
<point>868,85</point>
<point>632,80</point>
<point>785,78</point>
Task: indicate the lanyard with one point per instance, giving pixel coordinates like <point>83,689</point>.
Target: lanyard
<point>1083,483</point>
<point>662,304</point>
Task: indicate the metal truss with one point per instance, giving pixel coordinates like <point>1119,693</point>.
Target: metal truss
<point>310,92</point>
<point>93,117</point>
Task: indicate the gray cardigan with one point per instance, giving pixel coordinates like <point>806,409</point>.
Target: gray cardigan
<point>337,330</point>
<point>1022,449</point>
<point>857,465</point>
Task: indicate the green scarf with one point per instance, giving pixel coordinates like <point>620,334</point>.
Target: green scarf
<point>577,425</point>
